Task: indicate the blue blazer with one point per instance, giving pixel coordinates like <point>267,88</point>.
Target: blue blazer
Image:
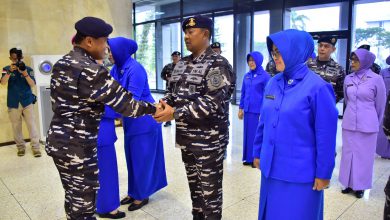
<point>252,91</point>
<point>296,135</point>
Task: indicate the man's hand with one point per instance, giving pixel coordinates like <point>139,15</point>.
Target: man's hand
<point>256,163</point>
<point>12,68</point>
<point>159,109</point>
<point>320,184</point>
<point>165,113</point>
<point>240,114</point>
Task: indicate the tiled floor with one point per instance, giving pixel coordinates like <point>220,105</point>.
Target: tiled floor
<point>30,187</point>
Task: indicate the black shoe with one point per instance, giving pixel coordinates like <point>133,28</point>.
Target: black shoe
<point>346,191</point>
<point>247,163</point>
<point>198,216</point>
<point>117,215</point>
<point>359,194</point>
<point>133,206</point>
<point>127,200</point>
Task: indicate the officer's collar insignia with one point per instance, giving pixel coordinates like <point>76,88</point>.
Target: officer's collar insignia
<point>191,22</point>
<point>122,71</point>
<point>255,75</point>
<point>290,81</point>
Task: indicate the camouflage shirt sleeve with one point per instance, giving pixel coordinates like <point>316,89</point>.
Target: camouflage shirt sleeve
<point>103,88</point>
<point>339,88</point>
<point>386,119</point>
<point>168,98</point>
<point>219,81</point>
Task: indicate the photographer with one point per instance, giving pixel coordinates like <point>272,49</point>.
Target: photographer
<point>20,100</point>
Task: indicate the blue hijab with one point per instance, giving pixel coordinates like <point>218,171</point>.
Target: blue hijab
<point>122,49</point>
<point>295,48</point>
<point>127,68</point>
<point>258,58</point>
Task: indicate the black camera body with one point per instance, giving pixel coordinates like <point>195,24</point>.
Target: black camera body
<point>20,64</point>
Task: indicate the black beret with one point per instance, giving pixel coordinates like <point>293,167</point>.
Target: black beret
<point>365,46</point>
<point>328,39</point>
<point>177,53</point>
<point>93,27</point>
<point>216,45</point>
<point>198,21</point>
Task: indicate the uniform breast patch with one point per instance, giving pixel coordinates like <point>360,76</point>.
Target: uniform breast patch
<point>215,78</point>
<point>332,71</point>
<point>191,89</point>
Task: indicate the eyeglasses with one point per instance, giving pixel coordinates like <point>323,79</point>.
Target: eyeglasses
<point>354,60</point>
<point>275,54</point>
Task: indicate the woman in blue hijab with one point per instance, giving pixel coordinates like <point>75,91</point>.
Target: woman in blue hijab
<point>296,137</point>
<point>252,92</point>
<point>143,138</point>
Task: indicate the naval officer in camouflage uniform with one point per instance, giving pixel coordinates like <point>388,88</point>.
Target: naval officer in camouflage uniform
<point>327,68</point>
<point>200,91</point>
<point>166,74</point>
<point>79,89</point>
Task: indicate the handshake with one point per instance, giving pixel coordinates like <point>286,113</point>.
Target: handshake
<point>164,112</point>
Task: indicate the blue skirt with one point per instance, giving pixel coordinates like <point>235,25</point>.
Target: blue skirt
<point>280,200</point>
<point>108,194</point>
<point>251,120</point>
<point>145,163</point>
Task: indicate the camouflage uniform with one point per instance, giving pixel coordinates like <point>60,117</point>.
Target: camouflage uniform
<point>376,68</point>
<point>331,72</point>
<point>200,92</point>
<point>271,68</point>
<point>386,214</point>
<point>79,89</point>
<point>166,73</point>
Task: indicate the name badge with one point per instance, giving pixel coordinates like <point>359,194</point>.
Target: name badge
<point>199,69</point>
<point>349,85</point>
<point>179,69</point>
<point>331,71</point>
<point>270,97</point>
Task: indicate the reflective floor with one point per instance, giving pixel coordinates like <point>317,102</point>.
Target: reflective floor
<point>30,187</point>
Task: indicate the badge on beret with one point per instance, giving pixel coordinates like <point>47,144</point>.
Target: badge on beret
<point>191,22</point>
<point>333,40</point>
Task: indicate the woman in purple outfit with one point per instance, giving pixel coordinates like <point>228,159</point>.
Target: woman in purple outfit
<point>365,97</point>
<point>383,143</point>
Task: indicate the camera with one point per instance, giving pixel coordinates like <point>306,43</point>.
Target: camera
<point>20,64</point>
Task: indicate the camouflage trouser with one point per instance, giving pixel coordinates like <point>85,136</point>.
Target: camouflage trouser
<point>386,214</point>
<point>79,178</point>
<point>204,172</point>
